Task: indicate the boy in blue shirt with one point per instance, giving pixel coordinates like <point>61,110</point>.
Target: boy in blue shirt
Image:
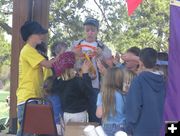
<point>145,99</point>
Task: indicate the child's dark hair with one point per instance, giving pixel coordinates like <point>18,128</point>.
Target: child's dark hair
<point>163,56</point>
<point>42,49</point>
<point>149,57</point>
<point>135,50</point>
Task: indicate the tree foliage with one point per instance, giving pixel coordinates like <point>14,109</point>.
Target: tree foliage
<point>4,58</point>
<point>5,51</point>
<point>6,11</point>
<point>147,27</point>
<point>65,20</point>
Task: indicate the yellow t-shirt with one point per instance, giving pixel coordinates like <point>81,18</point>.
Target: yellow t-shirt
<point>30,74</point>
<point>47,72</point>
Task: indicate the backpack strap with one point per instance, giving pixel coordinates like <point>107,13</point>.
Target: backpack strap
<point>80,41</point>
<point>100,44</point>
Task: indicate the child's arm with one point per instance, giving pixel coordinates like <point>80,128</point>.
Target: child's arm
<point>99,112</point>
<point>101,68</point>
<point>130,57</point>
<point>47,63</point>
<point>86,66</point>
<point>86,80</point>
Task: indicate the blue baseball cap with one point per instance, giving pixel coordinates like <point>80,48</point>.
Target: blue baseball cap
<point>92,21</point>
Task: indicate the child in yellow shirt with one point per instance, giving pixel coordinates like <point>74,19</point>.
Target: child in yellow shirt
<point>30,67</point>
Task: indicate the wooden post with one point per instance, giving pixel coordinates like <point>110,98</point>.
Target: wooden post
<point>20,15</point>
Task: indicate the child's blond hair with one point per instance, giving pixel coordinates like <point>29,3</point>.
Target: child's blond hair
<point>68,74</point>
<point>128,76</point>
<point>112,82</point>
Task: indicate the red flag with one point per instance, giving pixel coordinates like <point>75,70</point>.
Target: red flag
<point>132,5</point>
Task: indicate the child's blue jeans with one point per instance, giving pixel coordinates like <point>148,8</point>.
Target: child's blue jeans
<point>111,129</point>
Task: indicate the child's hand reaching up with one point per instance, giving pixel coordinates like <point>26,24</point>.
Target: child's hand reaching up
<point>85,67</point>
<point>130,57</point>
<point>101,67</point>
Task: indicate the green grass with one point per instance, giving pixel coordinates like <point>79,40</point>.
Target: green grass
<point>4,109</point>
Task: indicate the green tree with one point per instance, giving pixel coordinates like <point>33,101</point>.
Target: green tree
<point>4,59</point>
<point>5,50</point>
<point>147,27</point>
<point>6,11</point>
<point>65,20</point>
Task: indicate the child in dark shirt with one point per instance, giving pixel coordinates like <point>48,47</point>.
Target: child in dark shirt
<point>145,99</point>
<point>73,91</point>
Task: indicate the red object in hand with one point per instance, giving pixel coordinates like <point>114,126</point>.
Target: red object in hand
<point>132,5</point>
